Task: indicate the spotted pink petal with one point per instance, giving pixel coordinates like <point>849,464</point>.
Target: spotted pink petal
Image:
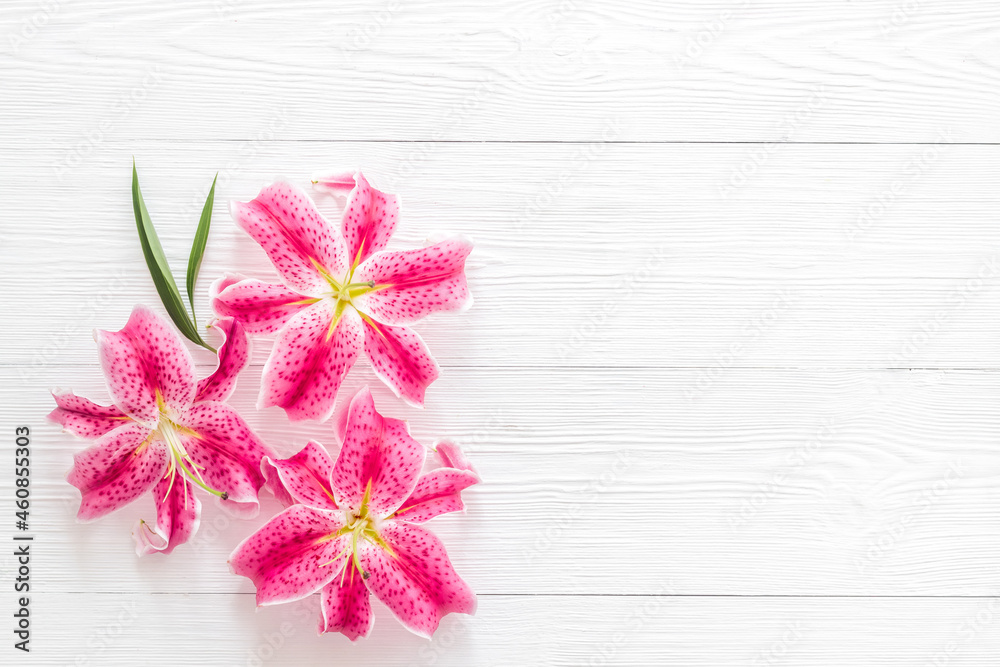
<point>84,418</point>
<point>233,355</point>
<point>377,452</point>
<point>178,513</point>
<point>302,479</point>
<point>415,283</point>
<point>309,361</point>
<point>400,358</point>
<point>295,236</point>
<point>147,356</point>
<point>452,456</point>
<point>118,468</point>
<point>227,452</point>
<point>437,492</point>
<point>262,308</point>
<point>370,216</point>
<point>346,608</point>
<point>293,555</point>
<point>417,582</point>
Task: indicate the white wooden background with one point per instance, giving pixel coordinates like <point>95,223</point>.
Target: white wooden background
<point>732,376</point>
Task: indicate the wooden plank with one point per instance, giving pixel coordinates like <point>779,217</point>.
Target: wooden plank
<point>92,629</point>
<point>790,482</point>
<point>541,70</point>
<point>789,273</point>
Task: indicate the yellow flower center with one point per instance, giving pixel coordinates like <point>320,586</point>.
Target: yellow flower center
<point>344,292</point>
<point>362,526</point>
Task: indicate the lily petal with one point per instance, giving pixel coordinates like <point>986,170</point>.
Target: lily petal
<point>118,468</point>
<point>261,307</point>
<point>400,358</point>
<point>309,361</point>
<point>220,284</point>
<point>293,555</point>
<point>295,236</point>
<point>437,492</point>
<point>414,283</point>
<point>226,452</point>
<point>84,418</point>
<point>338,184</point>
<point>346,608</point>
<point>340,421</point>
<point>370,216</point>
<point>378,457</point>
<point>233,354</point>
<point>178,513</point>
<point>302,479</point>
<point>417,582</point>
<point>145,358</point>
<point>452,456</point>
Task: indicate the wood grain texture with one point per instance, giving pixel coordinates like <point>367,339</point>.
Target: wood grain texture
<point>511,630</point>
<point>801,70</point>
<point>732,375</point>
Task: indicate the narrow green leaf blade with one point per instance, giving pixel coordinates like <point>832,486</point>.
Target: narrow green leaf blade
<point>159,270</point>
<point>198,247</point>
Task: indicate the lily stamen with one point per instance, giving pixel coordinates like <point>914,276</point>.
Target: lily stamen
<point>168,430</point>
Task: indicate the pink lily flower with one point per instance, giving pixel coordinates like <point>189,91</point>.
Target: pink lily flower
<point>342,293</point>
<point>352,530</point>
<point>164,433</point>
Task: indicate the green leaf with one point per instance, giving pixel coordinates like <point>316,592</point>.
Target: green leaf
<point>163,279</point>
<point>198,248</point>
